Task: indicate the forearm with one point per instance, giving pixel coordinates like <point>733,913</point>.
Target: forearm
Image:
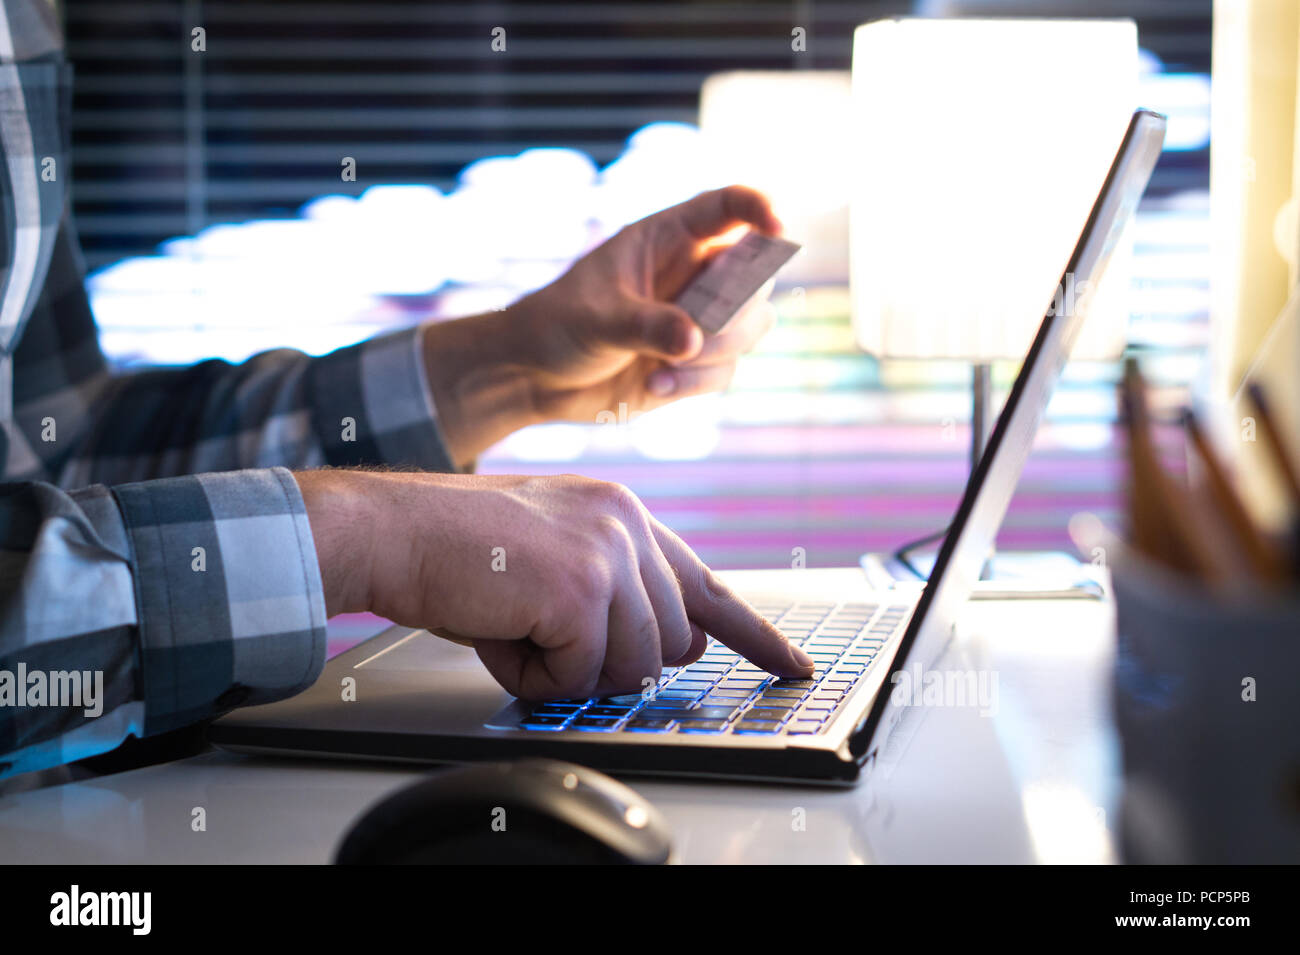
<point>479,382</point>
<point>343,520</point>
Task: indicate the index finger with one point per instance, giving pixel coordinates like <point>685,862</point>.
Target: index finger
<point>712,213</point>
<point>725,616</point>
<point>752,321</point>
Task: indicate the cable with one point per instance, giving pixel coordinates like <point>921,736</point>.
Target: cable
<point>900,555</point>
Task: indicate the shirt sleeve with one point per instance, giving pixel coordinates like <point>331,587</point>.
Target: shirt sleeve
<point>77,423</point>
<point>140,608</point>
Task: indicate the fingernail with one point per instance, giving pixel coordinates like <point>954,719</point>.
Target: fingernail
<point>800,658</point>
<point>661,384</point>
<point>672,337</point>
<point>681,338</point>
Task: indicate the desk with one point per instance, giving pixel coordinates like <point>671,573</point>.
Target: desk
<point>1035,780</point>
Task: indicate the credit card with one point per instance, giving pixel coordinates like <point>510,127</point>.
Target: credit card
<point>714,296</point>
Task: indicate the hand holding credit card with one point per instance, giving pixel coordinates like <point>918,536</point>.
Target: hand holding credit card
<point>731,277</point>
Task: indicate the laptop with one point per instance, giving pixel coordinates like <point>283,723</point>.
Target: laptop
<point>408,695</point>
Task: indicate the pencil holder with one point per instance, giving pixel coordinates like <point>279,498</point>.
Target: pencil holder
<point>1207,704</point>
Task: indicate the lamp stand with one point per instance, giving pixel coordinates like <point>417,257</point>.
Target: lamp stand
<point>1028,575</point>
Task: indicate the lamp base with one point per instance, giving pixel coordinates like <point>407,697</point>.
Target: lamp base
<point>1013,575</point>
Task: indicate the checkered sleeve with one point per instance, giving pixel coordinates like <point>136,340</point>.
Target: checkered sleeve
<point>180,598</point>
<point>371,403</point>
<point>367,404</point>
<point>77,423</point>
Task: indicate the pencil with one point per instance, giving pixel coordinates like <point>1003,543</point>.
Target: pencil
<point>1159,507</point>
<point>1276,442</point>
<point>1264,559</point>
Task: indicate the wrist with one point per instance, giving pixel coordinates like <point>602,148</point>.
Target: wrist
<point>343,530</point>
<point>480,380</point>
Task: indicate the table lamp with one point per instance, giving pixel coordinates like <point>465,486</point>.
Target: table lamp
<point>787,133</point>
<point>980,146</point>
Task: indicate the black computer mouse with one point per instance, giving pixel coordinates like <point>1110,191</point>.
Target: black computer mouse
<point>529,811</point>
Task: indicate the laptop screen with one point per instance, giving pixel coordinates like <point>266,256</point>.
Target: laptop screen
<point>993,482</point>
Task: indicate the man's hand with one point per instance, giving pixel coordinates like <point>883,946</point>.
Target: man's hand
<point>567,586</point>
<point>603,334</point>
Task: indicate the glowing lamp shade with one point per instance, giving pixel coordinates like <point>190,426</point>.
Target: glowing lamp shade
<point>787,132</point>
<point>979,148</point>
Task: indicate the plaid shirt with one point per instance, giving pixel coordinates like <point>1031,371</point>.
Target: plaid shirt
<point>190,591</point>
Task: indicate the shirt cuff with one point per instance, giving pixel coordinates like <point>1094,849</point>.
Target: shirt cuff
<point>231,608</point>
<point>371,404</point>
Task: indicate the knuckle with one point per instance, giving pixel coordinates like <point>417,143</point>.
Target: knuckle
<point>617,496</point>
<point>620,503</point>
<point>568,483</point>
<point>612,535</point>
<point>590,579</point>
<point>715,591</point>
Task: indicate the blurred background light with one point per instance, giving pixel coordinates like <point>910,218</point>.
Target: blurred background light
<point>215,229</point>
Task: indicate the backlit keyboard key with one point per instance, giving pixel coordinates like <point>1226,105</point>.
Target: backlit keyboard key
<point>757,726</point>
<point>614,711</point>
<point>731,702</point>
<point>712,712</point>
<point>767,713</point>
<point>543,722</point>
<point>649,725</point>
<point>805,713</point>
<point>702,726</point>
<point>627,699</point>
<point>594,723</point>
<point>683,685</point>
<point>775,703</point>
<point>672,693</point>
<point>799,727</point>
<point>677,706</point>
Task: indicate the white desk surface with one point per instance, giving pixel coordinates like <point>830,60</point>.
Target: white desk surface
<point>1035,781</point>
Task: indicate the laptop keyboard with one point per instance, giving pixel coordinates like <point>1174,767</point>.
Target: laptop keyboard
<point>722,692</point>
